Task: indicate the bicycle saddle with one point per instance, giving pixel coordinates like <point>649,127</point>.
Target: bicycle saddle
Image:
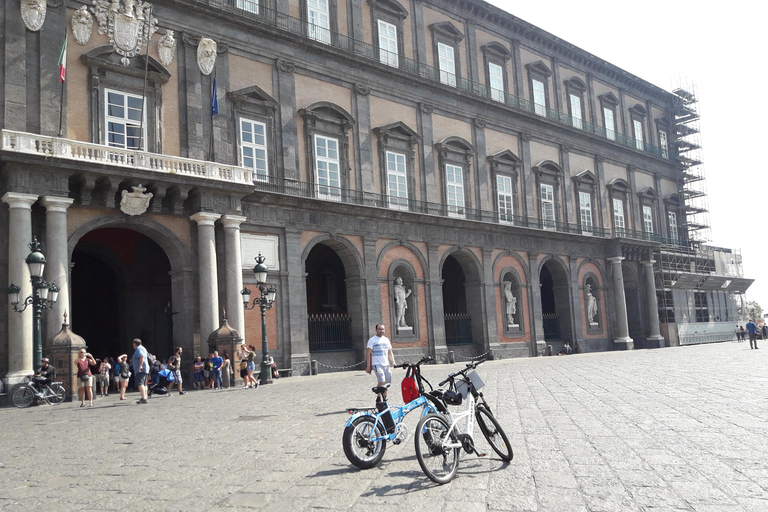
<point>380,389</point>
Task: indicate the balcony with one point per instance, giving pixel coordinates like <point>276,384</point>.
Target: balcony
<point>76,151</point>
<point>414,68</point>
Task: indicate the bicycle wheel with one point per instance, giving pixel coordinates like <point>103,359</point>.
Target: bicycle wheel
<point>438,463</point>
<point>23,397</point>
<point>359,449</point>
<point>55,394</point>
<point>493,433</point>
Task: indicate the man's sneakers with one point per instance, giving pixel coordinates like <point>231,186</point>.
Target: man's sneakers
<point>182,392</point>
<point>142,401</point>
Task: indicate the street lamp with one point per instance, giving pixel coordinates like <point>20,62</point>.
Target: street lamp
<point>264,302</point>
<point>39,299</point>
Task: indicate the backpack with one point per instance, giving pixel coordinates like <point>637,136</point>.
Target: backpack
<point>151,360</point>
<point>408,387</point>
<point>124,371</point>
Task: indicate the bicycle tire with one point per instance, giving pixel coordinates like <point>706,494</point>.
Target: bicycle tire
<point>438,463</point>
<point>55,394</point>
<point>361,452</point>
<point>23,397</point>
<point>493,433</point>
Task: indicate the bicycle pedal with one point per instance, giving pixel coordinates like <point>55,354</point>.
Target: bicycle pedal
<point>480,454</point>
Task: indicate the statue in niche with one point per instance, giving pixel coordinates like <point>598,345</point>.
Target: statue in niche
<point>511,303</point>
<point>401,303</point>
<point>591,306</point>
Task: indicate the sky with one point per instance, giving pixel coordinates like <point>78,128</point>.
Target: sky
<point>716,47</point>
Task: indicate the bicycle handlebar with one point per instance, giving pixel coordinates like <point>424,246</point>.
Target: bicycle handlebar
<point>470,366</point>
<point>407,364</point>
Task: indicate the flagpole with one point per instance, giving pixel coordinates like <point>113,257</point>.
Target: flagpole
<point>62,79</point>
<point>144,92</point>
<point>214,101</point>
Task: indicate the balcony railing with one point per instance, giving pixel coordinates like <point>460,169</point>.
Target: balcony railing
<point>368,51</point>
<point>54,147</point>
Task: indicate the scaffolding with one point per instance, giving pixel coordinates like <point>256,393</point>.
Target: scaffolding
<point>691,178</point>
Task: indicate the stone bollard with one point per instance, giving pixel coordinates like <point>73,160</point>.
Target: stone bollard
<point>313,367</point>
<point>549,350</point>
<point>451,358</point>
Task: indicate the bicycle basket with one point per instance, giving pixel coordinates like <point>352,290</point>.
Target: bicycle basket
<point>463,388</point>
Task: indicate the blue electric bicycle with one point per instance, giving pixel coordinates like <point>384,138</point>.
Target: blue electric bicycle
<point>367,432</point>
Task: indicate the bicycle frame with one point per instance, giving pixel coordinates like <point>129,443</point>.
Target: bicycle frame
<point>398,413</point>
<point>469,425</point>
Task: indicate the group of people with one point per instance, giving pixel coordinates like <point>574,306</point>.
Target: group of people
<point>751,331</point>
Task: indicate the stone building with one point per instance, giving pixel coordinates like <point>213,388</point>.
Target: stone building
<point>473,182</point>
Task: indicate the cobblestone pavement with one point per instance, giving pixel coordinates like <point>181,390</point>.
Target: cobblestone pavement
<point>672,429</point>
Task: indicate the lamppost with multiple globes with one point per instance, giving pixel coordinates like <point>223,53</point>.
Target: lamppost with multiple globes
<point>38,300</point>
<point>264,302</point>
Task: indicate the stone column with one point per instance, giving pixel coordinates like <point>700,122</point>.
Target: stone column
<point>653,307</point>
<point>209,290</point>
<point>57,269</point>
<point>620,302</point>
<point>20,348</point>
<point>233,269</point>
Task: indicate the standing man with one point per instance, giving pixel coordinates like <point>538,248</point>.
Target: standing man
<point>140,362</point>
<point>216,363</point>
<point>174,365</point>
<point>752,330</point>
<point>379,356</point>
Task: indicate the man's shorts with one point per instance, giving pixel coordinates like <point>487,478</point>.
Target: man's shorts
<point>383,373</point>
<point>141,378</point>
<point>177,376</point>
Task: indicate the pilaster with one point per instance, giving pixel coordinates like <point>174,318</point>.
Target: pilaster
<point>207,271</point>
<point>233,271</point>
<point>620,302</point>
<point>654,330</point>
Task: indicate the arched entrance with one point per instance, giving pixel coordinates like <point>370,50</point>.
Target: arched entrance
<point>555,303</point>
<point>121,290</point>
<point>334,300</point>
<point>462,300</point>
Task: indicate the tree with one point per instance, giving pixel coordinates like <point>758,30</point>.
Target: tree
<point>754,311</point>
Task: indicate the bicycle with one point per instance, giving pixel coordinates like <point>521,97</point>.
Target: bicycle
<point>440,440</point>
<point>53,393</point>
<point>367,432</point>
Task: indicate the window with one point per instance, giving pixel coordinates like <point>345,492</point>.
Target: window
<point>618,216</point>
<point>327,168</point>
<point>447,64</point>
<point>253,148</point>
<point>397,184</point>
<point>505,196</point>
<point>610,124</point>
<point>663,144</point>
<point>585,211</point>
<point>454,180</point>
<point>547,205</point>
<point>673,226</point>
<point>123,120</point>
<point>388,44</point>
<point>539,98</point>
<point>638,128</point>
<point>576,117</point>
<point>496,79</point>
<point>248,5</point>
<point>318,17</point>
<point>701,304</point>
<point>647,219</point>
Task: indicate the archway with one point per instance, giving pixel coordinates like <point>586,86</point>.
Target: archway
<point>462,300</point>
<point>121,290</point>
<point>555,302</point>
<point>334,300</point>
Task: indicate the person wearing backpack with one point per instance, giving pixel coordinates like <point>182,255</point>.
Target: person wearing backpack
<point>141,366</point>
<point>123,374</point>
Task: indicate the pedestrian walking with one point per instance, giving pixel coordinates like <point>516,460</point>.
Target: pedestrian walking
<point>140,362</point>
<point>752,330</point>
<point>378,357</point>
<point>743,333</point>
<point>84,362</point>
<point>174,365</point>
<point>104,368</point>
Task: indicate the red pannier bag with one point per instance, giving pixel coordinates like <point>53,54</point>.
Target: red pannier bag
<point>408,387</point>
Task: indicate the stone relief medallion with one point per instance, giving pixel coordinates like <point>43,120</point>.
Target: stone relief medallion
<point>33,14</point>
<point>129,24</point>
<point>206,55</point>
<point>136,202</point>
<point>82,25</point>
<point>166,48</point>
